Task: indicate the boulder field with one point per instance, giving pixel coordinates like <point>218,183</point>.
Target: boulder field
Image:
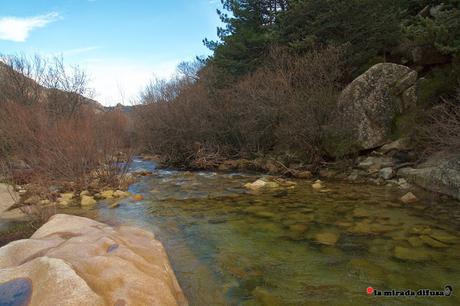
<point>77,261</point>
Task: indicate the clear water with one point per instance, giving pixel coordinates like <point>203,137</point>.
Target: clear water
<point>232,247</point>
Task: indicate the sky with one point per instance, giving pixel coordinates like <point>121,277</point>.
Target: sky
<point>121,44</point>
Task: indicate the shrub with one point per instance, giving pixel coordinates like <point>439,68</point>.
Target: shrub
<point>47,124</point>
<point>282,107</point>
<point>440,128</point>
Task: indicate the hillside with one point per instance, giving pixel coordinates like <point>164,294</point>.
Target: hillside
<point>18,82</point>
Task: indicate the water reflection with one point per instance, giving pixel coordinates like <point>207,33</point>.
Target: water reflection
<point>294,246</point>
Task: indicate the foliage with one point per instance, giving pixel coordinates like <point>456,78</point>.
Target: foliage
<point>371,28</point>
<point>439,28</point>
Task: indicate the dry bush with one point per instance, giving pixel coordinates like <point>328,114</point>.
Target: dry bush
<point>48,123</point>
<point>440,129</point>
<point>280,108</point>
<point>61,149</point>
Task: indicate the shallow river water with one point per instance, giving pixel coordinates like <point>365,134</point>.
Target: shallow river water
<point>294,246</point>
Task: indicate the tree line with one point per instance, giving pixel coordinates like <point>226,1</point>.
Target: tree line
<point>278,66</point>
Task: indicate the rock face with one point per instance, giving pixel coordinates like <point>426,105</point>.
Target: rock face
<point>439,174</point>
<point>368,106</point>
<point>77,261</point>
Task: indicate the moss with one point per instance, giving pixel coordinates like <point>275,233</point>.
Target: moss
<point>403,125</point>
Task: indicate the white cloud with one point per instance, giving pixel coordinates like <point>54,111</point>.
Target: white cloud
<point>121,80</point>
<point>18,29</point>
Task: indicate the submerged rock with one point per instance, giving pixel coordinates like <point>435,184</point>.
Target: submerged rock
<point>317,185</point>
<point>432,242</point>
<point>409,198</point>
<point>411,254</point>
<point>361,212</point>
<point>259,184</point>
<point>76,261</point>
<point>415,241</point>
<point>265,297</point>
<point>443,236</point>
<point>138,197</point>
<point>327,238</point>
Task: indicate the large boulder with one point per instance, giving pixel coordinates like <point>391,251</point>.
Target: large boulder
<point>441,173</point>
<point>367,107</point>
<point>77,261</point>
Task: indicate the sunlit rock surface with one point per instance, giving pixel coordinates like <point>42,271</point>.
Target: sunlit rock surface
<point>77,261</point>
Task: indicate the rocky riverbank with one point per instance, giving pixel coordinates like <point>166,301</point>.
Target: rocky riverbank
<point>366,139</point>
<point>81,261</point>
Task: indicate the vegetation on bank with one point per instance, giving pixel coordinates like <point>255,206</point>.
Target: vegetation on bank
<point>52,137</point>
<point>267,96</point>
<point>272,83</point>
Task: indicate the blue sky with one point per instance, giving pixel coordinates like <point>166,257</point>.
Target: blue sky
<point>121,44</point>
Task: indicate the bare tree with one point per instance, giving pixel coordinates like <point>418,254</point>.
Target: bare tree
<point>68,88</point>
<point>22,78</point>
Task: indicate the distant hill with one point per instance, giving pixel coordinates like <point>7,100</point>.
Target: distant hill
<point>119,106</point>
<point>15,86</point>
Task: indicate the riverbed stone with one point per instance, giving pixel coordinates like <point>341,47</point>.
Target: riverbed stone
<point>121,194</point>
<point>87,201</point>
<point>303,174</point>
<point>443,236</point>
<point>361,212</point>
<point>77,261</point>
<point>420,229</point>
<point>65,199</point>
<point>363,227</point>
<point>107,194</point>
<point>256,185</point>
<point>409,198</point>
<point>327,238</point>
<point>299,228</point>
<point>366,270</point>
<point>317,185</point>
<point>432,242</point>
<point>260,183</point>
<point>138,197</point>
<point>411,254</point>
<point>387,173</point>
<point>415,241</point>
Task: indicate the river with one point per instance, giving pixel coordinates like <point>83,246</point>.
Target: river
<point>297,246</point>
